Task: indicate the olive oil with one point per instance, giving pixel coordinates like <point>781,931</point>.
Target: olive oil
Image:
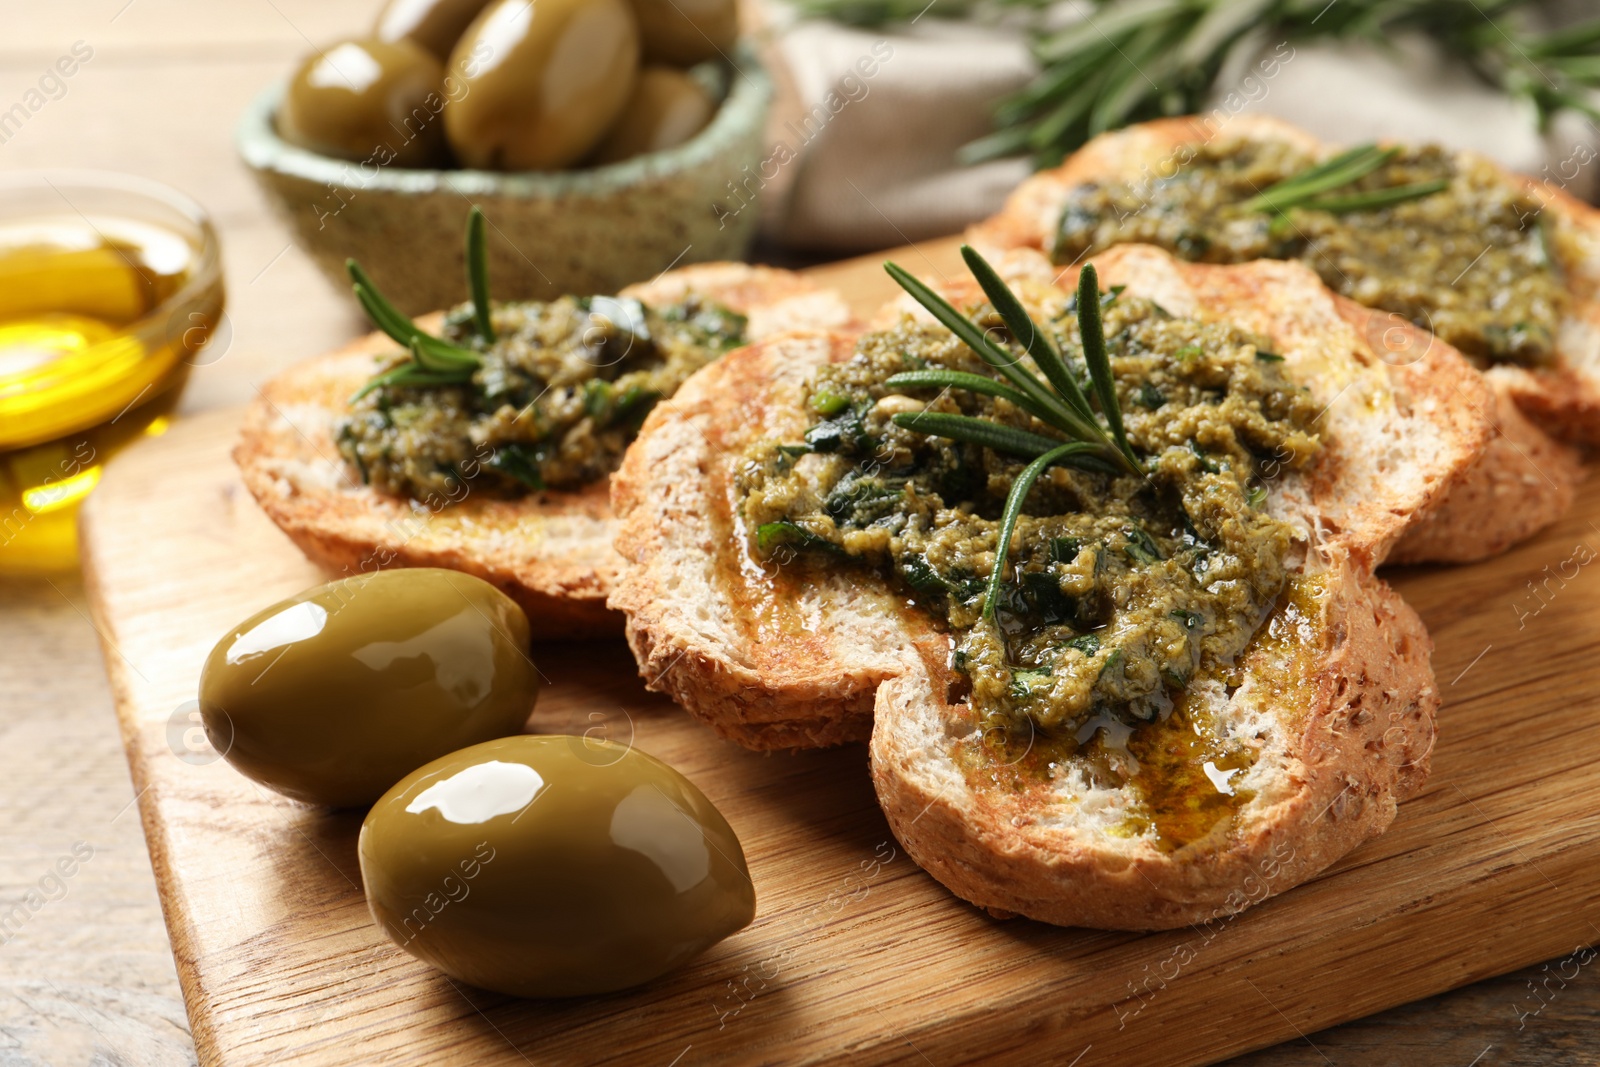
<point>98,320</point>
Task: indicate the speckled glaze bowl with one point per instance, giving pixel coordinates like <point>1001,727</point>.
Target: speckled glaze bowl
<point>580,231</point>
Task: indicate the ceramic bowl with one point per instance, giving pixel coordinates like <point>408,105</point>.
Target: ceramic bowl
<point>579,231</point>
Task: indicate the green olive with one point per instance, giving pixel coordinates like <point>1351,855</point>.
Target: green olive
<point>434,24</point>
<point>542,82</point>
<point>668,107</point>
<point>334,695</point>
<point>368,100</point>
<point>552,866</point>
<point>686,32</point>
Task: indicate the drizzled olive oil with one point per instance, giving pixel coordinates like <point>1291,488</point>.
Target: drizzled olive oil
<point>98,321</point>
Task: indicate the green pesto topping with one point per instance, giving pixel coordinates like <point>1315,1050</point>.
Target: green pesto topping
<point>1451,245</point>
<point>553,401</point>
<point>1120,584</point>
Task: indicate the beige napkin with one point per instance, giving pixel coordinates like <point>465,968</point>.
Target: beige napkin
<point>867,122</point>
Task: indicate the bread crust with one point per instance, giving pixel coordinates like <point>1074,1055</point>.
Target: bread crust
<point>1525,467</point>
<point>796,654</point>
<point>551,551</point>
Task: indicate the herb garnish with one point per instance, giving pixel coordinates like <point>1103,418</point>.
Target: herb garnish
<point>1304,190</point>
<point>434,361</point>
<point>1061,405</point>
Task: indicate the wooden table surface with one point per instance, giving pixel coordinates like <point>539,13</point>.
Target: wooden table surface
<point>88,977</point>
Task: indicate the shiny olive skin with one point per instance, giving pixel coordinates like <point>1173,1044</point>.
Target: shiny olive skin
<point>667,108</point>
<point>542,82</point>
<point>335,694</point>
<point>434,24</point>
<point>368,100</point>
<point>685,32</point>
<point>552,866</point>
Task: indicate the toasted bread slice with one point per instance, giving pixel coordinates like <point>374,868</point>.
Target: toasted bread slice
<point>1335,698</point>
<point>775,664</point>
<point>550,551</point>
<point>1525,480</point>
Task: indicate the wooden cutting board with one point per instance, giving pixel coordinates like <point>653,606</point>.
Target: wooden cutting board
<point>855,954</point>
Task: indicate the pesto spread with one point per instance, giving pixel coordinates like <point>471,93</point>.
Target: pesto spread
<point>1120,587</point>
<point>555,401</point>
<point>1472,263</point>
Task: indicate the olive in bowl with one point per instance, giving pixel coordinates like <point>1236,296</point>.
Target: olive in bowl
<point>333,695</point>
<point>356,101</point>
<point>686,32</point>
<point>434,24</point>
<point>552,866</point>
<point>666,109</point>
<point>556,76</point>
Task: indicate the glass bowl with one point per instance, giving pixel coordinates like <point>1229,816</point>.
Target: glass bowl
<point>85,367</point>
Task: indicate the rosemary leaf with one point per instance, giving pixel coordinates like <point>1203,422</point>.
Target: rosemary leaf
<point>408,374</point>
<point>1008,518</point>
<point>1040,345</point>
<point>439,355</point>
<point>973,431</point>
<point>1327,166</point>
<point>1377,198</point>
<point>1094,355</point>
<point>478,274</point>
<point>972,383</point>
<point>383,314</point>
<point>987,350</point>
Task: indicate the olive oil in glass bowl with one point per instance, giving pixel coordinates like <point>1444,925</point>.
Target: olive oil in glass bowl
<point>110,286</point>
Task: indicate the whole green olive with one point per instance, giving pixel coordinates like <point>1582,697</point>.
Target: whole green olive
<point>667,108</point>
<point>368,100</point>
<point>542,82</point>
<point>335,694</point>
<point>434,24</point>
<point>686,32</point>
<point>550,866</point>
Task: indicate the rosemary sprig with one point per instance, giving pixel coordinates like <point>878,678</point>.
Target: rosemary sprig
<point>1305,190</point>
<point>1066,409</point>
<point>1132,60</point>
<point>1332,173</point>
<point>434,361</point>
<point>1377,198</point>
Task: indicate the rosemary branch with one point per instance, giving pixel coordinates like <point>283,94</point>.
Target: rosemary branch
<point>1132,60</point>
